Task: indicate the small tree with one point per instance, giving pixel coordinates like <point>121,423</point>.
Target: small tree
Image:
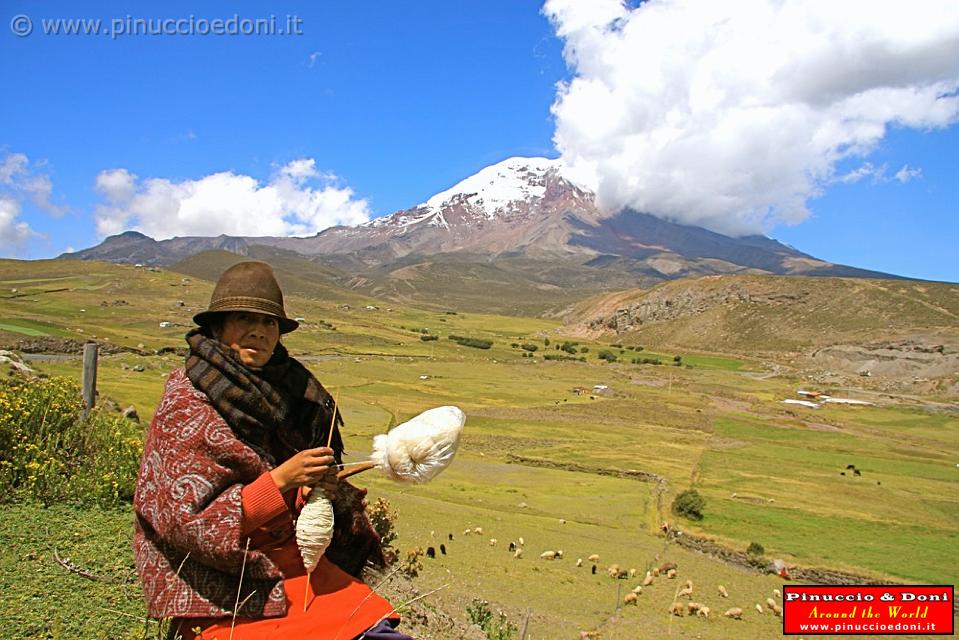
<point>606,355</point>
<point>382,517</point>
<point>678,361</point>
<point>689,504</point>
<point>755,549</point>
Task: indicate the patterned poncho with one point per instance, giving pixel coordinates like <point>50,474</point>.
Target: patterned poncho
<point>187,544</point>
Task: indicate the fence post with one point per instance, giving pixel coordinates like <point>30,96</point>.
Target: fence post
<point>89,377</point>
<point>522,635</point>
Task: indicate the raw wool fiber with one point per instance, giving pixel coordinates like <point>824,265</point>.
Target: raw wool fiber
<point>419,449</point>
<point>314,529</point>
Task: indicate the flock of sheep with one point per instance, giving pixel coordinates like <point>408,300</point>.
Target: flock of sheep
<point>668,570</point>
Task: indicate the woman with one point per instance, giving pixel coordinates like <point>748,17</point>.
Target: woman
<point>237,442</point>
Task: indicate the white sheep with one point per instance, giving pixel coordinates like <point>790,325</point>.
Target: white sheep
<point>777,594</point>
<point>521,542</point>
<point>777,610</point>
<point>631,598</point>
<point>703,612</point>
<point>686,592</point>
<point>677,609</point>
<point>648,580</point>
<point>671,574</point>
<point>637,589</point>
<point>579,562</point>
<point>549,555</point>
<point>492,542</point>
<point>723,592</point>
<point>478,531</point>
<point>770,603</point>
<point>518,554</point>
<point>759,607</point>
<point>693,607</point>
<point>466,532</point>
<point>593,557</point>
<point>632,573</point>
<point>735,612</point>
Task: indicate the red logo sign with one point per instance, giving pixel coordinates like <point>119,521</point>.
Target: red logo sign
<point>868,609</point>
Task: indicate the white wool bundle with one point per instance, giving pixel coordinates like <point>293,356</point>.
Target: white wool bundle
<point>420,448</point>
<point>314,528</point>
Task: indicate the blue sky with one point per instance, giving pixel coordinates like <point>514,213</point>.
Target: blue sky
<point>373,109</point>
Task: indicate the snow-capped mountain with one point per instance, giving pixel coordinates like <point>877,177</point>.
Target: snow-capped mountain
<point>514,205</point>
<point>525,208</point>
<point>499,190</point>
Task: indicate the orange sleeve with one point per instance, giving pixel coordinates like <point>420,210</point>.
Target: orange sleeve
<point>262,502</point>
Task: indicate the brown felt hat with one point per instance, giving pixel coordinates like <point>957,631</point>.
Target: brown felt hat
<point>248,286</point>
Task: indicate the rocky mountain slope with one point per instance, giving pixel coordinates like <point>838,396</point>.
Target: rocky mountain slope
<point>517,237</point>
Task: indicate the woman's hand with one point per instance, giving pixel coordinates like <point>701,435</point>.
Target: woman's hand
<point>327,485</point>
<point>306,468</point>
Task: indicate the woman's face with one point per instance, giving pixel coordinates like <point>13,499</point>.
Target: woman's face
<point>252,335</point>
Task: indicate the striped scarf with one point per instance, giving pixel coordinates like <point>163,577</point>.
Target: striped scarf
<point>277,410</point>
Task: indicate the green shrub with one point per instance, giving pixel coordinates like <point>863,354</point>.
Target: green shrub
<point>550,356</point>
<point>476,343</point>
<point>689,504</point>
<point>383,518</point>
<point>584,349</point>
<point>500,628</point>
<point>606,355</point>
<point>678,361</point>
<point>568,347</point>
<point>528,346</point>
<point>546,341</point>
<point>755,549</point>
<point>50,453</point>
<point>429,338</point>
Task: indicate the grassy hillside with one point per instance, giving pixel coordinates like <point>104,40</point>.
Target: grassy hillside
<point>755,314</point>
<point>770,473</point>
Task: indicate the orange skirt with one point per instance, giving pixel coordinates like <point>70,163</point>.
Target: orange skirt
<point>340,607</point>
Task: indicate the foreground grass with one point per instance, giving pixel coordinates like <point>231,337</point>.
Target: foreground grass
<point>43,600</point>
<point>769,474</point>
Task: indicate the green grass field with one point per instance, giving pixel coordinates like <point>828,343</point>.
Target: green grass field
<point>769,474</point>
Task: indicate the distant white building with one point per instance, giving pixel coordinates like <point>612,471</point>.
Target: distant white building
<point>849,401</point>
<point>804,403</point>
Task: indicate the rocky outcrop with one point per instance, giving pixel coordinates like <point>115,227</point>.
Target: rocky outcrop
<point>660,306</point>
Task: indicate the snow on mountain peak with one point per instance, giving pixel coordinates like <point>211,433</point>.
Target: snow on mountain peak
<point>496,190</point>
<point>496,186</point>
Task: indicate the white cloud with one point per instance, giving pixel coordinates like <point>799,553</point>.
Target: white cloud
<point>118,185</point>
<point>867,170</point>
<point>733,114</point>
<point>20,181</point>
<point>14,166</point>
<point>907,173</point>
<point>13,232</point>
<point>298,200</point>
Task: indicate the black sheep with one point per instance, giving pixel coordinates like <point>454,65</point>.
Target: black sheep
<point>430,552</point>
<point>443,549</point>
